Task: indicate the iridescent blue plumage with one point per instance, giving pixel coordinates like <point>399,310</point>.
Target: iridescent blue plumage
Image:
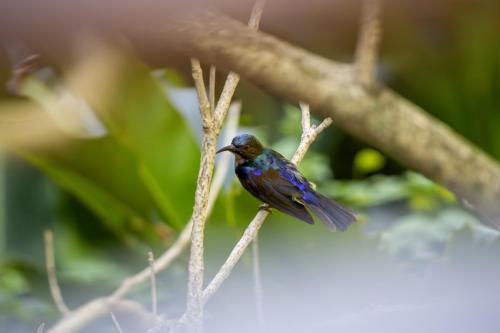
<point>273,179</point>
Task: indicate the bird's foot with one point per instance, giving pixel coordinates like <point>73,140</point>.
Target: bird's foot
<point>265,207</point>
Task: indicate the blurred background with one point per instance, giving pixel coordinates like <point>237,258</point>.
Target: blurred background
<point>106,154</point>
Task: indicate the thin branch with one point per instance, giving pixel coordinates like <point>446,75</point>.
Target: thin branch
<point>205,109</point>
<point>256,15</point>
<point>98,307</point>
<point>368,42</point>
<point>257,285</point>
<point>306,117</point>
<point>151,261</point>
<point>50,262</point>
<point>236,253</point>
<point>225,160</point>
<point>253,228</point>
<point>211,87</point>
<point>115,321</point>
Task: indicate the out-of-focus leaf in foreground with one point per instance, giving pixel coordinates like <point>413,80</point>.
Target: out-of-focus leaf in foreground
<point>144,167</point>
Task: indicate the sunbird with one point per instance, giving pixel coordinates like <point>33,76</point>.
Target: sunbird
<point>274,180</point>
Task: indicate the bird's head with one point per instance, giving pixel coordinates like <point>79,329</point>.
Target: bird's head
<point>245,145</point>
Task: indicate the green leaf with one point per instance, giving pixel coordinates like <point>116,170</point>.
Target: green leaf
<point>146,165</point>
<point>95,196</point>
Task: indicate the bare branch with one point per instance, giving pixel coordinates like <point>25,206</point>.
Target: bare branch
<point>151,261</point>
<point>115,321</point>
<point>98,307</point>
<point>50,262</point>
<point>254,226</point>
<point>257,287</point>
<point>256,15</point>
<point>225,98</point>
<point>306,117</point>
<point>368,42</point>
<point>236,253</point>
<point>205,109</point>
<point>211,87</point>
<point>233,119</point>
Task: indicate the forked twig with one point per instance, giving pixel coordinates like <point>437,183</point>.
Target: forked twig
<point>309,134</point>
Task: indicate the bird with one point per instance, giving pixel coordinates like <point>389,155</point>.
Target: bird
<point>274,180</point>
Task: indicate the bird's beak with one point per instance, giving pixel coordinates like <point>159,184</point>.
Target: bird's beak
<point>230,148</point>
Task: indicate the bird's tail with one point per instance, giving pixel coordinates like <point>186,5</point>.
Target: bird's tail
<point>330,213</point>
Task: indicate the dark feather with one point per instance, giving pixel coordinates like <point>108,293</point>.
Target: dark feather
<point>276,181</point>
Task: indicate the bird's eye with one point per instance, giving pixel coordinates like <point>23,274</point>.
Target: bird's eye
<point>245,147</point>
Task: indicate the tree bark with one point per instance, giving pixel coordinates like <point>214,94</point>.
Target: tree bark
<point>379,117</point>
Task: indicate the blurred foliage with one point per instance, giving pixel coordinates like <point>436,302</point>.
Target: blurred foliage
<point>132,174</point>
<point>111,198</point>
<point>418,191</point>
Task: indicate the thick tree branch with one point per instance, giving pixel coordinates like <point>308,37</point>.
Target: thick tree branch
<point>386,120</point>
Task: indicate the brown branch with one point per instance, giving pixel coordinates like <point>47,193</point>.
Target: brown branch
<point>386,120</point>
<point>368,42</point>
<point>50,262</point>
<point>205,109</point>
<point>211,87</point>
<point>309,134</point>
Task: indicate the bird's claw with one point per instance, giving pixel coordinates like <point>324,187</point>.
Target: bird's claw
<point>265,207</point>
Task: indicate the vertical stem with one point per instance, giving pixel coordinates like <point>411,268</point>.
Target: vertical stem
<point>154,299</point>
<point>258,290</point>
<point>196,263</point>
<point>211,87</point>
<point>50,259</point>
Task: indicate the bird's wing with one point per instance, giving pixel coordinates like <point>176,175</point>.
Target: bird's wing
<point>294,183</point>
<point>270,187</point>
